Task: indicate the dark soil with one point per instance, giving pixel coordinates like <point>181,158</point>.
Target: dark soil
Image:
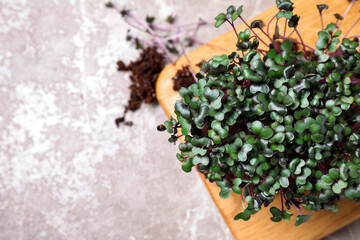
<point>183,78</point>
<point>144,72</point>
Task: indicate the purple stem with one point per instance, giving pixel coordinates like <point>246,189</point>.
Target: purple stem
<point>202,22</point>
<point>267,29</point>
<point>146,26</point>
<point>157,37</point>
<point>302,42</point>
<point>352,27</point>
<point>291,33</point>
<point>296,207</point>
<point>161,28</point>
<point>355,36</point>
<point>253,31</point>
<point>173,9</point>
<point>347,10</point>
<point>172,37</point>
<point>336,23</point>
<point>276,24</point>
<point>322,21</point>
<point>169,29</point>
<point>196,30</point>
<point>188,60</point>
<point>265,33</point>
<point>232,25</point>
<point>198,25</point>
<point>242,201</point>
<point>133,25</point>
<point>261,52</point>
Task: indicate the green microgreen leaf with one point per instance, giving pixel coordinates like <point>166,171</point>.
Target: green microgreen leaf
<point>220,19</point>
<point>256,24</point>
<point>322,7</point>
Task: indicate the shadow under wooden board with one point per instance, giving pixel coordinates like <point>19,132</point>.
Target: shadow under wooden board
<point>322,223</point>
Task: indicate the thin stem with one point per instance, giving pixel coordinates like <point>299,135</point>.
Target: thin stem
<point>173,9</point>
<point>347,10</point>
<point>133,25</point>
<point>151,32</point>
<point>267,29</point>
<point>285,27</point>
<point>352,27</point>
<point>237,62</point>
<point>302,42</point>
<point>265,33</point>
<point>172,37</point>
<point>276,25</point>
<point>261,50</point>
<point>189,63</point>
<point>296,207</point>
<point>158,42</point>
<point>291,33</point>
<point>232,25</point>
<point>161,28</point>
<point>262,53</point>
<point>196,30</point>
<point>169,29</point>
<point>242,202</point>
<point>198,25</point>
<point>355,36</point>
<point>322,20</point>
<point>206,21</point>
<point>253,31</point>
<point>249,191</point>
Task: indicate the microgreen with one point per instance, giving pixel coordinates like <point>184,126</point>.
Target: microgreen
<point>276,122</point>
<point>160,44</point>
<point>171,39</point>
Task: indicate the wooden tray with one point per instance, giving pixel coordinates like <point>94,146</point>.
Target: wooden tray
<point>322,223</point>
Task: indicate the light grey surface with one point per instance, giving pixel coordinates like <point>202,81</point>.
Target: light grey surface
<point>66,171</point>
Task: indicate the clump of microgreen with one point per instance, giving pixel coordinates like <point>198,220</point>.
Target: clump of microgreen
<point>276,121</point>
<point>159,45</point>
<point>172,39</point>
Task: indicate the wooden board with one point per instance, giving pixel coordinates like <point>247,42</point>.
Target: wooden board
<point>323,222</point>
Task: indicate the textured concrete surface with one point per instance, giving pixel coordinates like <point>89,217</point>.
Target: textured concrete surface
<point>66,171</point>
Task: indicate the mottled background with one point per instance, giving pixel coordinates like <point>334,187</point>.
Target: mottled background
<point>66,171</point>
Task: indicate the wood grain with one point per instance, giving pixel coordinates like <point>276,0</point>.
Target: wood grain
<point>259,226</point>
